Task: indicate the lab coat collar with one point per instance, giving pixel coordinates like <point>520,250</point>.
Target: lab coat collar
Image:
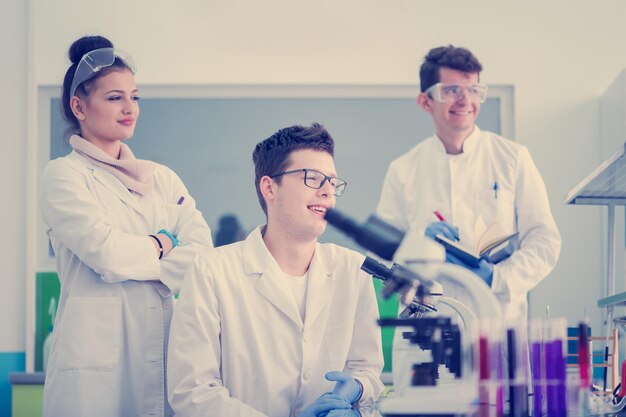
<point>258,260</point>
<point>108,180</point>
<point>469,145</point>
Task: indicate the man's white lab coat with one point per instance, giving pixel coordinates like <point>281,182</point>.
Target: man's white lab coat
<point>493,179</point>
<point>238,346</point>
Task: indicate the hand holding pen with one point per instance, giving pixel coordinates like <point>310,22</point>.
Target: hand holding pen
<point>441,227</point>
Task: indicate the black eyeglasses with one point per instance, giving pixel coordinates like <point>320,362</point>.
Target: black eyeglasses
<point>315,179</point>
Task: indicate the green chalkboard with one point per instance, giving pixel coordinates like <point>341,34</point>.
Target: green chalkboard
<point>48,287</point>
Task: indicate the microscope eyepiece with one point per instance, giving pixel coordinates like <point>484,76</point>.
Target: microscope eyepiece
<point>374,235</point>
<point>373,267</point>
<point>342,222</point>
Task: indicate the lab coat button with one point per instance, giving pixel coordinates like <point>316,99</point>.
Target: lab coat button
<point>306,374</point>
<point>165,305</point>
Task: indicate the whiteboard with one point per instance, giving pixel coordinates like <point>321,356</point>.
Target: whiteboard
<point>206,134</point>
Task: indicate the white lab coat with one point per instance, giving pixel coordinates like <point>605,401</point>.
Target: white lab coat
<point>238,346</point>
<point>461,187</point>
<point>109,342</point>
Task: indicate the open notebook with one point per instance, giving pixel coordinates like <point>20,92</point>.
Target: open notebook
<point>493,244</point>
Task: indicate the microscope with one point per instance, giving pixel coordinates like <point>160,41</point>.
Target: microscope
<point>416,275</point>
<point>422,346</point>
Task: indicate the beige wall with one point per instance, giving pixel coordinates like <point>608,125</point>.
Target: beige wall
<point>14,47</point>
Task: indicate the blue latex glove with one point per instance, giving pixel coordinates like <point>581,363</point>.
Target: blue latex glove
<point>324,404</point>
<point>344,413</point>
<point>484,269</point>
<point>442,228</point>
<point>346,387</point>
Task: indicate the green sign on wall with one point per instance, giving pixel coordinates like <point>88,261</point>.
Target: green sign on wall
<point>48,289</point>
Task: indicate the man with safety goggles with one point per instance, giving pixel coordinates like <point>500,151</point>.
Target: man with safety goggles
<point>472,178</point>
<point>447,93</point>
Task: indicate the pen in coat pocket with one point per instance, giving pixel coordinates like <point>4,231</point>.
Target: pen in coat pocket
<point>495,190</point>
<point>181,199</point>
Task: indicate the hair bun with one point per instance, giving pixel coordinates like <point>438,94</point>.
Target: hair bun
<point>86,44</point>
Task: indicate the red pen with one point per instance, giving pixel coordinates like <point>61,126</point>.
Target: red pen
<point>442,219</point>
<point>439,216</point>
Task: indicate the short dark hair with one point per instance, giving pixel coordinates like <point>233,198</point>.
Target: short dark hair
<point>271,156</point>
<point>76,52</point>
<point>459,59</point>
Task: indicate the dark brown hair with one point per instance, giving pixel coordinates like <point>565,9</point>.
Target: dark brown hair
<point>459,59</point>
<point>271,156</point>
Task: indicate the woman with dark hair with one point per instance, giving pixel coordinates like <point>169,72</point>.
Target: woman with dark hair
<point>123,231</point>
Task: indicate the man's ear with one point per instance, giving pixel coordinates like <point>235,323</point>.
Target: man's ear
<point>424,101</point>
<point>77,108</point>
<point>266,185</point>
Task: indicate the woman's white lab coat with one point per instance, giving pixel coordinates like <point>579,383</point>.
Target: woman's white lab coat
<point>238,346</point>
<point>112,325</point>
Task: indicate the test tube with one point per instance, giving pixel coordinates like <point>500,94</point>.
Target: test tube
<point>579,391</point>
<point>483,375</point>
<point>490,372</point>
<point>517,368</point>
<point>537,366</point>
<point>583,355</point>
<point>555,367</point>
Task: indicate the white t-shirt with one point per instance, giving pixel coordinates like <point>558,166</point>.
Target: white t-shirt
<point>298,287</point>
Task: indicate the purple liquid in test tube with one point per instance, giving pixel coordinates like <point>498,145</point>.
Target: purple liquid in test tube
<point>561,378</point>
<point>555,377</point>
<point>538,390</point>
<point>551,379</point>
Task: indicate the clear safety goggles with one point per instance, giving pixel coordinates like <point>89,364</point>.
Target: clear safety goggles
<point>94,61</point>
<point>452,92</point>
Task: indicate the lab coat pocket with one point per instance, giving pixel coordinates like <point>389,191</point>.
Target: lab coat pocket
<point>168,216</point>
<point>338,337</point>
<point>90,334</point>
<point>496,206</point>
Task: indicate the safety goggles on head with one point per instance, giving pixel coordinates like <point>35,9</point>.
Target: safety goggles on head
<point>94,61</point>
<point>315,179</point>
<point>444,93</point>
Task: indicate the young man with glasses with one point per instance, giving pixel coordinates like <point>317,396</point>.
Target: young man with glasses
<point>473,178</point>
<point>271,325</point>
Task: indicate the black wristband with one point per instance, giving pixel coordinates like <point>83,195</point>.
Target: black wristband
<point>361,394</point>
<point>158,243</point>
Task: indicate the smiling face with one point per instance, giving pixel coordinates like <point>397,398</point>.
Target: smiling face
<point>109,112</point>
<point>454,118</point>
<point>297,210</point>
